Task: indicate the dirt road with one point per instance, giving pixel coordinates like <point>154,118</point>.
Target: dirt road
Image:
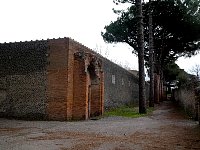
<point>166,128</point>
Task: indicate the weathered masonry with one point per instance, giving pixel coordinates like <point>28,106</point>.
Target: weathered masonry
<point>60,79</point>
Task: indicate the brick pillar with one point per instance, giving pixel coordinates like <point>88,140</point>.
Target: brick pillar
<point>102,92</point>
<point>95,99</point>
<point>87,86</point>
<point>80,90</point>
<point>70,83</point>
<point>97,96</point>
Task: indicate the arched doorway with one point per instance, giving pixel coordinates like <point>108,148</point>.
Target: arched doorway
<point>88,86</point>
<point>94,91</point>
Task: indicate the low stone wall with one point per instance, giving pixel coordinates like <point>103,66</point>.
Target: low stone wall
<point>197,93</point>
<point>187,99</point>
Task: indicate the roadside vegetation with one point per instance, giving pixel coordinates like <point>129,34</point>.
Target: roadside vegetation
<point>127,111</point>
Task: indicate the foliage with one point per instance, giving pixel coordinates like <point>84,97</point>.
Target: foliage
<point>171,72</point>
<point>174,75</point>
<point>187,80</point>
<point>126,111</point>
<point>123,1</point>
<point>176,28</point>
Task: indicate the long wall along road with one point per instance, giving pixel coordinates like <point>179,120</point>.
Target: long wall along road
<point>60,79</point>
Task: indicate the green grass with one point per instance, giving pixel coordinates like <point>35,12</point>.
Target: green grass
<point>127,111</point>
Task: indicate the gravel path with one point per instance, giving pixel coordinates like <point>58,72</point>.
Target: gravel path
<point>166,128</point>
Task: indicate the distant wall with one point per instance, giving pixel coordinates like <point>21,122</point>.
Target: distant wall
<point>121,86</point>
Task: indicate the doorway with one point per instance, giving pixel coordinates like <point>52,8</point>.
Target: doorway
<point>93,91</point>
<point>87,86</point>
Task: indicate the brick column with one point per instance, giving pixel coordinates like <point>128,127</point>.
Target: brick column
<point>102,92</point>
<point>80,90</point>
<point>87,86</point>
<point>95,99</point>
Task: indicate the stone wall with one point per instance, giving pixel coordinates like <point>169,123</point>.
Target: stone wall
<point>4,103</point>
<point>197,94</point>
<point>121,86</point>
<point>23,57</point>
<point>187,100</point>
<point>23,79</point>
<point>26,95</point>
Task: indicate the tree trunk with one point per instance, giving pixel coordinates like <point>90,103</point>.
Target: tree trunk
<point>142,100</point>
<point>156,87</point>
<point>151,61</point>
<point>161,87</point>
<point>161,91</point>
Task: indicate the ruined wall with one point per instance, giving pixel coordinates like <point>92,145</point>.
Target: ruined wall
<point>23,79</point>
<point>123,91</point>
<point>83,104</point>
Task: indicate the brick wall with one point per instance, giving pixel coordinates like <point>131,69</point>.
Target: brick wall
<point>57,79</point>
<point>124,91</point>
<point>43,80</point>
<point>80,91</point>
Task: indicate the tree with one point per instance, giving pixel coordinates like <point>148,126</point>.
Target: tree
<point>139,45</point>
<point>140,40</point>
<point>196,70</point>
<point>171,72</point>
<point>151,61</point>
<point>175,75</point>
<point>178,37</point>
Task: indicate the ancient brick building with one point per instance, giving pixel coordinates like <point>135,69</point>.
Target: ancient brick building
<point>60,79</point>
<point>50,79</point>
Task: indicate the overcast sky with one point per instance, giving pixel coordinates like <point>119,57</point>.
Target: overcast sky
<point>82,20</point>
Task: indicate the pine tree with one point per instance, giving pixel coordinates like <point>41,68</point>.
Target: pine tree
<point>140,40</point>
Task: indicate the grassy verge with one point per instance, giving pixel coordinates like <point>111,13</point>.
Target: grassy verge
<point>127,111</point>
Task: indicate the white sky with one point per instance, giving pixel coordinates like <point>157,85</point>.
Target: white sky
<point>82,20</point>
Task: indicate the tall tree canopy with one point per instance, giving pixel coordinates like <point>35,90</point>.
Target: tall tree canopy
<point>176,28</point>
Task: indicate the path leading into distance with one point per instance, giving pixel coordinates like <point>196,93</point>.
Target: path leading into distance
<point>167,128</point>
